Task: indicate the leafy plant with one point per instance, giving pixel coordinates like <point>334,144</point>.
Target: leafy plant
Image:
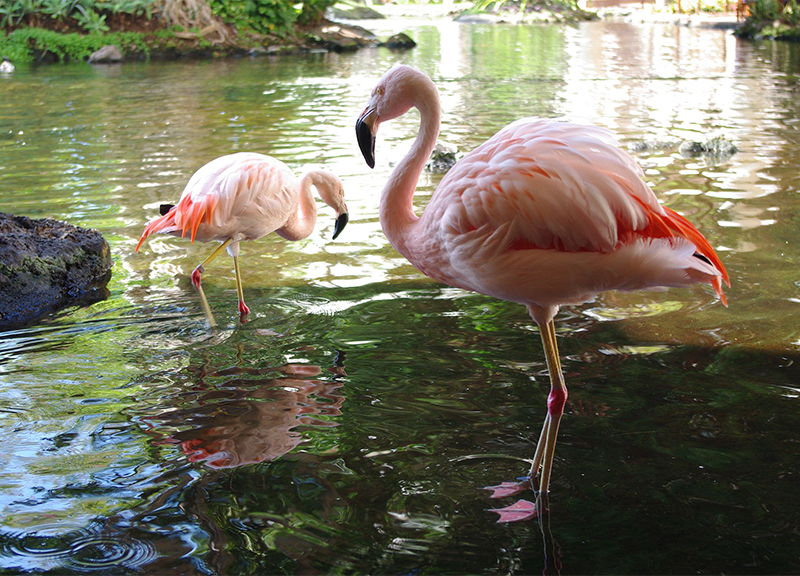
<point>90,14</point>
<point>791,13</point>
<point>313,11</point>
<point>58,9</point>
<point>765,10</point>
<point>90,20</point>
<point>269,16</point>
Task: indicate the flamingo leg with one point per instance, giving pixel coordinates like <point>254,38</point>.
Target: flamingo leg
<point>197,277</point>
<point>243,309</point>
<point>545,449</point>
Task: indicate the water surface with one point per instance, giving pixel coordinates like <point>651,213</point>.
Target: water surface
<point>349,425</point>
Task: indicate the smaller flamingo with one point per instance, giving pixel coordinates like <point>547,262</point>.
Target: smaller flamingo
<point>245,196</point>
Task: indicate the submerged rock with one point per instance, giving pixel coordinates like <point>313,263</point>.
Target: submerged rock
<point>714,150</point>
<point>344,37</point>
<point>443,157</point>
<point>399,41</point>
<point>717,148</point>
<point>46,265</point>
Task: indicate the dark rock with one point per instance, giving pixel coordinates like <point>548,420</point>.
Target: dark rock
<point>715,148</point>
<point>653,146</point>
<point>106,55</point>
<point>46,265</point>
<point>713,151</point>
<point>399,41</point>
<point>344,37</point>
<point>443,157</point>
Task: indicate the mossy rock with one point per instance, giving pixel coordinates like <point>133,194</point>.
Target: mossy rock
<point>47,265</point>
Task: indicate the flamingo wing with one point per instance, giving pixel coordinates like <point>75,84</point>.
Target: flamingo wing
<point>547,185</point>
<point>557,185</point>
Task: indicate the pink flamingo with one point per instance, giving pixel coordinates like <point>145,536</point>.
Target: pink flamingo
<point>544,213</point>
<point>245,196</point>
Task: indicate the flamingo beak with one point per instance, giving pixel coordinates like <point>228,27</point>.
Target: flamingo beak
<point>341,222</point>
<point>365,134</point>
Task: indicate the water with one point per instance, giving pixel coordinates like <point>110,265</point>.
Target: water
<point>349,425</point>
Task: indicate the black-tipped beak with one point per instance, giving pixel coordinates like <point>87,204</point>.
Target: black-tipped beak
<point>341,222</point>
<point>365,137</point>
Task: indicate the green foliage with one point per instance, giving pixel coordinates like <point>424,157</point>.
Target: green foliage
<point>269,16</point>
<point>262,16</point>
<point>90,14</point>
<point>765,10</point>
<point>313,10</point>
<point>771,19</point>
<point>791,13</point>
<point>21,45</point>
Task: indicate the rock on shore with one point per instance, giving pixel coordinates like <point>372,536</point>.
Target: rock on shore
<point>46,265</point>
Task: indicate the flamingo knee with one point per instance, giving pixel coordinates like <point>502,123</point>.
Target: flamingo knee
<point>556,401</point>
<point>196,277</point>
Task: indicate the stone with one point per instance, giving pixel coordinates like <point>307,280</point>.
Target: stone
<point>344,37</point>
<point>399,41</point>
<point>47,265</point>
<point>443,157</point>
<point>106,55</point>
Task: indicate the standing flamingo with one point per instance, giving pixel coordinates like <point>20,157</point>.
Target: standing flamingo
<point>245,196</point>
<point>544,213</point>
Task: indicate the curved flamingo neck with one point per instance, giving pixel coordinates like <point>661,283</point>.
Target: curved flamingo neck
<point>301,223</point>
<point>397,216</point>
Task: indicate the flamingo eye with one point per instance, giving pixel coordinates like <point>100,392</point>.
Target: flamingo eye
<point>379,90</point>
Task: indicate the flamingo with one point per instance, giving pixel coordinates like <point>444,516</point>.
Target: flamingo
<point>245,196</point>
<point>545,213</point>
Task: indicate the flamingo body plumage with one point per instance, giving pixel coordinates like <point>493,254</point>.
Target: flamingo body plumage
<point>544,213</point>
<point>245,196</point>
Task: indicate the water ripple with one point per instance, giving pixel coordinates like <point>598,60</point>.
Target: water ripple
<point>80,550</point>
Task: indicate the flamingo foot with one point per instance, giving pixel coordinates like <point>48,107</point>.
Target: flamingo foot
<point>243,309</point>
<point>509,488</point>
<point>518,511</point>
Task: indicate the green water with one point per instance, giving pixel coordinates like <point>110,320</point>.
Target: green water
<point>349,425</point>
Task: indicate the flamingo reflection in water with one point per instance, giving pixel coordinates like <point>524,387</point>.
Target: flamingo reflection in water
<point>544,213</point>
<point>245,196</point>
<point>250,420</point>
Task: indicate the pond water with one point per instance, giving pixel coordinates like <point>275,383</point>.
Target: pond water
<point>349,425</point>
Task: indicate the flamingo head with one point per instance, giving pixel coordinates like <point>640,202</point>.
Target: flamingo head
<point>331,190</point>
<point>400,89</point>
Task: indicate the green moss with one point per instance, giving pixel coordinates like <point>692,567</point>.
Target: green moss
<point>25,44</point>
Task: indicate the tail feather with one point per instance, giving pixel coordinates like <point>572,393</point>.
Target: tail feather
<point>185,216</point>
<point>156,225</point>
<point>687,230</point>
<point>672,225</point>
